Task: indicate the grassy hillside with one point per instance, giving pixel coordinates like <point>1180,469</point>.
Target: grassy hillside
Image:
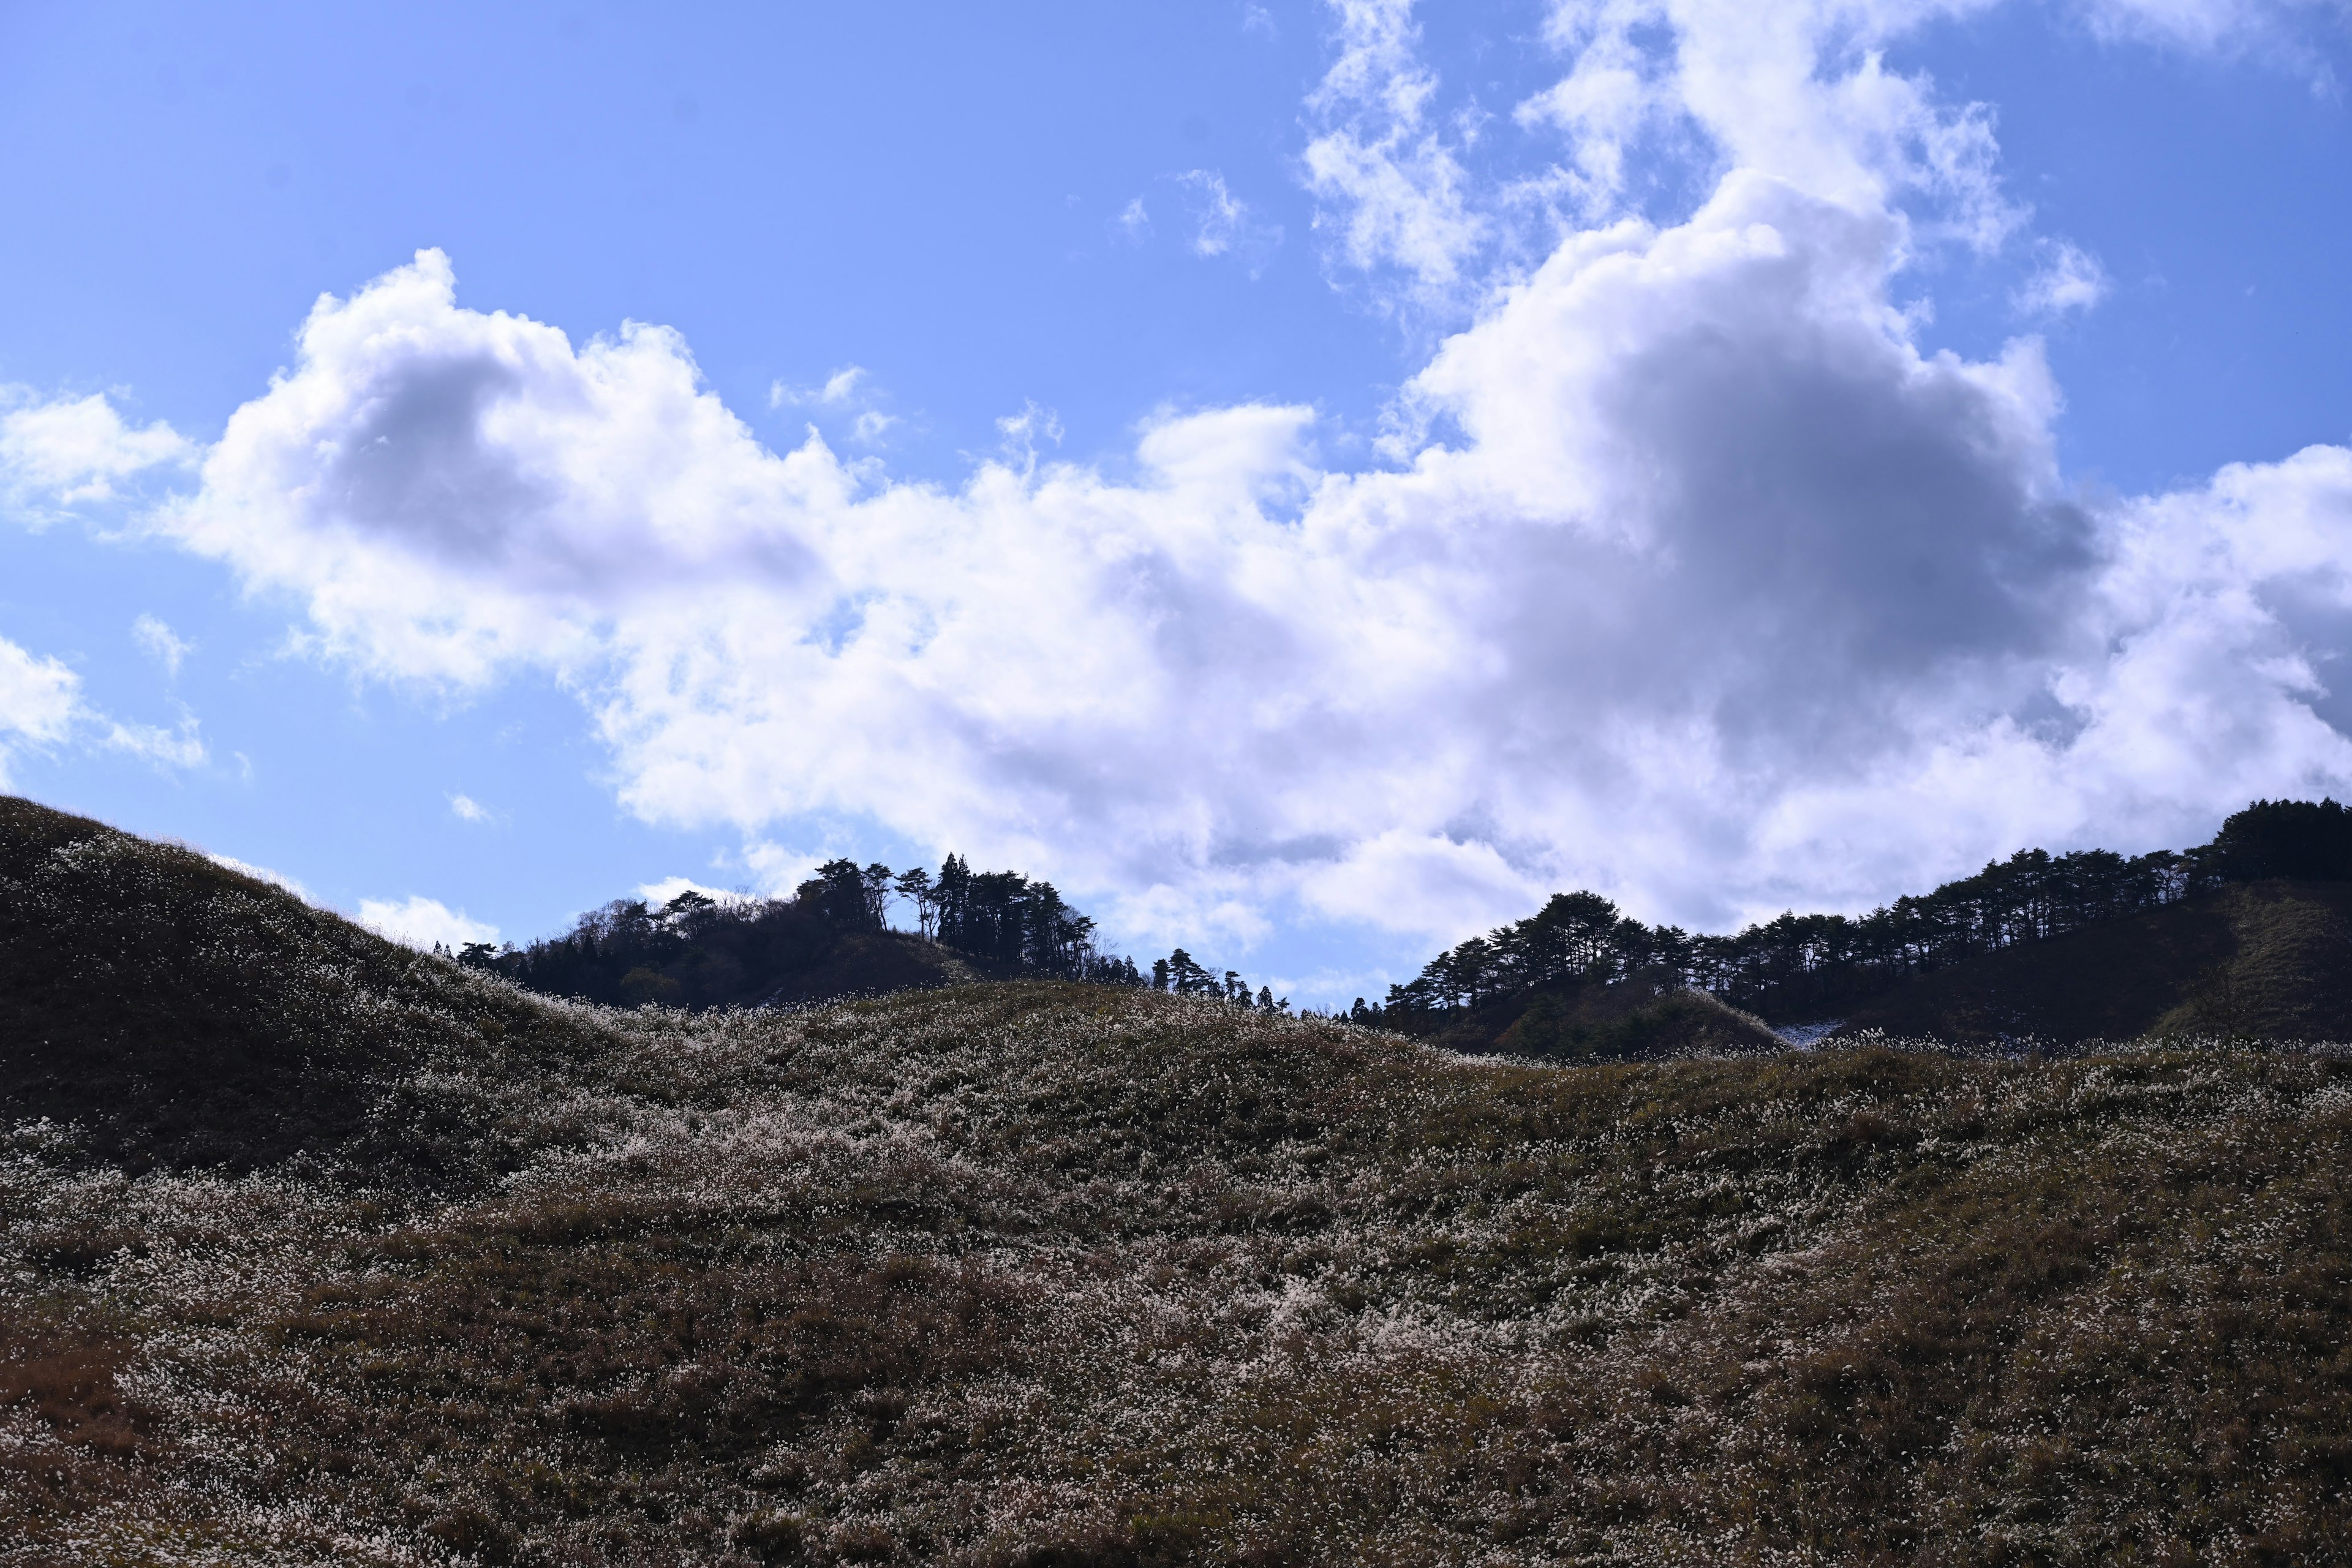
<point>185,1016</point>
<point>2261,960</point>
<point>1047,1275</point>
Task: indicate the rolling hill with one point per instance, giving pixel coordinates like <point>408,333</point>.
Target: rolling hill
<point>316,1251</point>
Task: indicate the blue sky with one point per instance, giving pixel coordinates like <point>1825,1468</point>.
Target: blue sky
<point>1309,478</point>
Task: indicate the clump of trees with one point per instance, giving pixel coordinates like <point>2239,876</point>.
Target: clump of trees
<point>1184,975</point>
<point>1798,964</point>
<point>832,936</point>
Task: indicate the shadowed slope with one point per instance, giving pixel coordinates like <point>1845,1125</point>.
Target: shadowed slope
<point>2261,960</point>
<point>183,1015</point>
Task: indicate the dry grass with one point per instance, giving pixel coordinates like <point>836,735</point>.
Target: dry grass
<point>1042,1275</point>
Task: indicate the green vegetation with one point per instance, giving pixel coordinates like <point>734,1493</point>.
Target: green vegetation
<point>1047,1274</point>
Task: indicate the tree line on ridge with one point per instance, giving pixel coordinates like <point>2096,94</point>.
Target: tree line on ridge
<point>833,936</point>
<point>1796,966</point>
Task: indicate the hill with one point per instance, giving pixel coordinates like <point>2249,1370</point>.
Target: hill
<point>2269,960</point>
<point>829,939</point>
<point>2241,935</point>
<point>1045,1275</point>
<point>184,1015</point>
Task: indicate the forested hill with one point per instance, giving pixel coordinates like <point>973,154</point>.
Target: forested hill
<point>1804,967</point>
<point>830,938</point>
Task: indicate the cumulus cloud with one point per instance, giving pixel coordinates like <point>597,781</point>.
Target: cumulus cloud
<point>1704,582</point>
<point>420,923</point>
<point>467,809</point>
<point>1726,593</point>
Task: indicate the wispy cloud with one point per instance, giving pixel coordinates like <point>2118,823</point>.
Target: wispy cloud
<point>181,747</point>
<point>2069,278</point>
<point>1396,198</point>
<point>42,708</point>
<point>158,642</point>
<point>468,809</point>
<point>1223,224</point>
<point>849,391</point>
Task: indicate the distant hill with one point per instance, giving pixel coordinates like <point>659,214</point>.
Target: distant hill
<point>2240,935</point>
<point>829,939</point>
<point>2270,959</point>
<point>314,1251</point>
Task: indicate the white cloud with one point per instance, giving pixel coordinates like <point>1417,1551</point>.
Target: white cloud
<point>1719,591</point>
<point>159,643</point>
<point>176,748</point>
<point>1728,595</point>
<point>42,707</point>
<point>40,699</point>
<point>2070,279</point>
<point>468,809</point>
<point>1396,194</point>
<point>776,871</point>
<point>1133,223</point>
<point>419,922</point>
<point>837,390</point>
<point>659,894</point>
<point>1800,92</point>
<point>849,391</point>
<point>70,451</point>
<point>2268,26</point>
<point>1223,223</point>
<point>262,874</point>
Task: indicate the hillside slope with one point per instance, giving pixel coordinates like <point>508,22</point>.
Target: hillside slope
<point>2262,960</point>
<point>1048,1275</point>
<point>185,1016</point>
